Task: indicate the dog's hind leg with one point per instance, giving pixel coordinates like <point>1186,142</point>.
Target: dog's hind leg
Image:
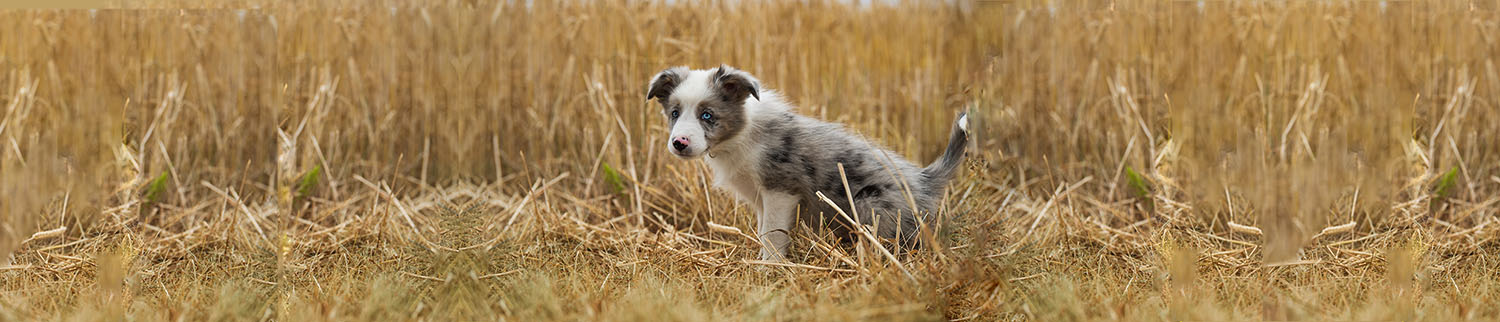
<point>778,213</point>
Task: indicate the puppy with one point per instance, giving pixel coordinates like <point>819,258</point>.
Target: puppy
<point>775,160</point>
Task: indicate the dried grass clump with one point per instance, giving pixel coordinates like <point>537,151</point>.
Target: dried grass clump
<point>451,160</point>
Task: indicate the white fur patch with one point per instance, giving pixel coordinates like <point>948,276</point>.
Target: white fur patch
<point>687,126</point>
<point>693,89</point>
<point>963,123</point>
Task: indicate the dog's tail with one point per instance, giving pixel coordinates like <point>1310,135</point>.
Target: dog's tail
<point>942,169</point>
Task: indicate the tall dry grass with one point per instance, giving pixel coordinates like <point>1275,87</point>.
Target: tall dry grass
<point>393,161</point>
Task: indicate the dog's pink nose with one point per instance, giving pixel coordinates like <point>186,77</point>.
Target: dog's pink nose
<point>680,143</point>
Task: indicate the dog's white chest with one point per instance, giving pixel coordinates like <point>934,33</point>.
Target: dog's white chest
<point>737,177</point>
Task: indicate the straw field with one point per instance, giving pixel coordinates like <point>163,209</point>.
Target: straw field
<point>1133,160</point>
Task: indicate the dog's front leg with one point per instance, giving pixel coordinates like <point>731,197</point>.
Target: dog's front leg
<point>778,211</point>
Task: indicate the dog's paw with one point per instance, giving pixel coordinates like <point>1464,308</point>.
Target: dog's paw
<point>769,254</point>
<point>764,269</point>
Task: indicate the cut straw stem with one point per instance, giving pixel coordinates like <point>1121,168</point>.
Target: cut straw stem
<point>1244,229</point>
<point>866,233</point>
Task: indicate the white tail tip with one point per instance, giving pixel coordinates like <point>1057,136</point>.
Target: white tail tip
<point>963,123</point>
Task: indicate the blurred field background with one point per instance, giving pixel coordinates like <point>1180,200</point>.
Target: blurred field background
<point>460,161</point>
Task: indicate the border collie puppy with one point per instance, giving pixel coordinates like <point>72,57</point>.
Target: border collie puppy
<point>775,160</point>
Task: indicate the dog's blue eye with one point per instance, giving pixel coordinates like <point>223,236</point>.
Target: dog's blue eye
<point>675,113</point>
<point>706,116</point>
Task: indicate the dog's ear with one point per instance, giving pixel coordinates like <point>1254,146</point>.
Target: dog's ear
<point>664,82</point>
<point>735,84</point>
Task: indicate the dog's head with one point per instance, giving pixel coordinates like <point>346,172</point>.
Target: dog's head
<point>703,107</point>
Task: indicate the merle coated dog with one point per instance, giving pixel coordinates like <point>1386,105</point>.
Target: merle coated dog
<point>775,160</point>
